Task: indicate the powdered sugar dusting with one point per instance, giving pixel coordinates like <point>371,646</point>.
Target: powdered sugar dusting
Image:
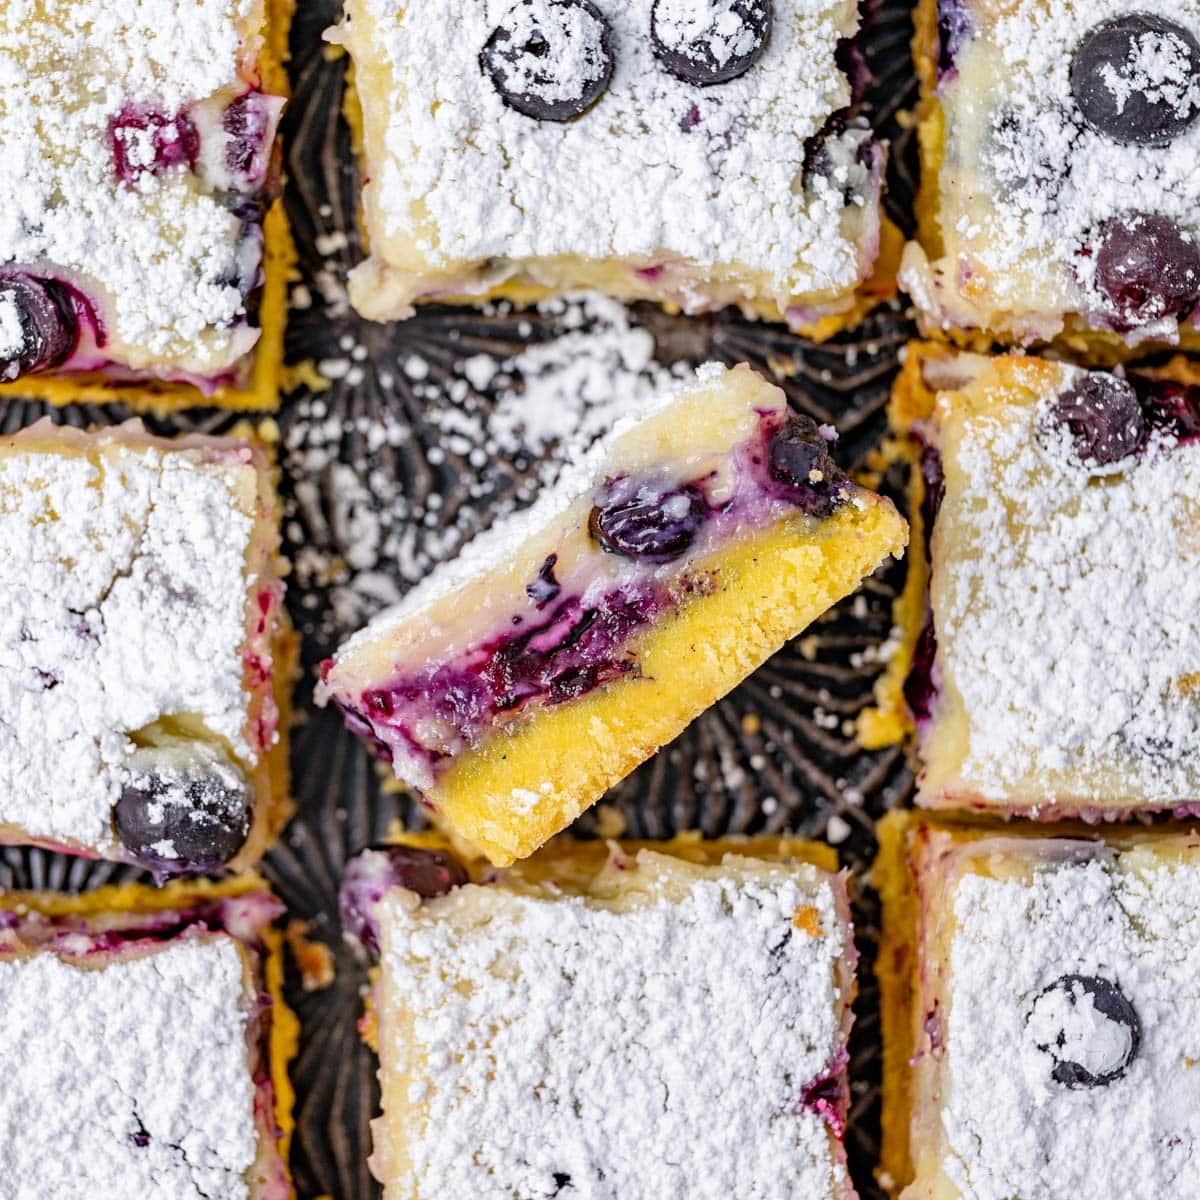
<point>1099,702</point>
<point>131,1080</point>
<point>157,255</point>
<point>1005,1127</point>
<point>126,575</point>
<point>657,169</point>
<point>1028,183</point>
<point>680,23</point>
<point>706,1014</point>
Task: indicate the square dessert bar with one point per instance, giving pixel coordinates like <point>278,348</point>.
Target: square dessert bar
<point>565,645</point>
<point>662,1019</point>
<point>699,155</point>
<point>143,248</point>
<point>1060,197</point>
<point>1041,1019</point>
<point>1056,671</point>
<point>148,1044</point>
<point>145,654</point>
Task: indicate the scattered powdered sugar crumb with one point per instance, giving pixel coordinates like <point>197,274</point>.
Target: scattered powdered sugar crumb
<point>133,1079</point>
<point>365,539</point>
<point>157,256</point>
<point>12,334</point>
<point>1100,702</point>
<point>658,169</point>
<point>709,1013</point>
<point>1005,1127</point>
<point>717,23</point>
<point>125,573</point>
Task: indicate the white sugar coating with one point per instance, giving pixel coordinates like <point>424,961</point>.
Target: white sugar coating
<point>573,38</point>
<point>657,167</point>
<point>717,23</point>
<point>155,1045</point>
<point>543,404</point>
<point>12,335</point>
<point>1102,568</point>
<point>1006,1127</point>
<point>1029,181</point>
<point>157,257</point>
<point>498,544</point>
<point>126,584</point>
<point>643,1051</point>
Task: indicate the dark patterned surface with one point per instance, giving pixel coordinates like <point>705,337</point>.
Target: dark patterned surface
<point>777,754</point>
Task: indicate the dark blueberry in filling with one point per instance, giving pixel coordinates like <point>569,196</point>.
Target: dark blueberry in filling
<point>38,327</point>
<point>147,142</point>
<point>646,522</point>
<point>1135,79</point>
<point>843,152</point>
<point>798,458</point>
<point>1146,269</point>
<point>550,59</point>
<point>1104,418</point>
<point>545,587</point>
<point>709,43</point>
<point>369,876</point>
<point>190,824</point>
<point>953,28</point>
<point>919,689</point>
<point>251,155</point>
<point>1090,1029</point>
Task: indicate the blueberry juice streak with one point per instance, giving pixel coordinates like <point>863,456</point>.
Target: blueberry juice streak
<point>953,27</point>
<point>577,633</point>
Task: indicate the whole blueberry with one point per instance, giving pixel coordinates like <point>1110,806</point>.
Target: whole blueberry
<point>798,460</point>
<point>1134,79</point>
<point>705,44</point>
<point>1087,1053</point>
<point>183,825</point>
<point>645,521</point>
<point>1146,268</point>
<point>38,326</point>
<point>550,59</point>
<point>370,875</point>
<point>1104,418</point>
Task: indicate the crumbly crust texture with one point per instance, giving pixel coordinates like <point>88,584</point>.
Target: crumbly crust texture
<point>1065,599</point>
<point>125,567</point>
<point>706,1005</point>
<point>129,1080</point>
<point>158,254</point>
<point>716,171</point>
<point>1019,182</point>
<point>1036,913</point>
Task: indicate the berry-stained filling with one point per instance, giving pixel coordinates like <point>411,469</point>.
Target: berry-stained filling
<point>371,874</point>
<point>953,27</point>
<point>706,44</point>
<point>1110,66</point>
<point>146,141</point>
<point>577,631</point>
<point>550,59</point>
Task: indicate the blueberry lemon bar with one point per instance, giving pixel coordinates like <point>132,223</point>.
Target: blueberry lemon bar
<point>145,655</point>
<point>564,646</point>
<point>509,1014</point>
<point>1060,196</point>
<point>1055,668</point>
<point>696,154</point>
<point>150,1044</point>
<point>143,252</point>
<point>1040,1013</point>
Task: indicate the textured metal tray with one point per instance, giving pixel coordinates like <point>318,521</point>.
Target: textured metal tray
<point>777,754</point>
